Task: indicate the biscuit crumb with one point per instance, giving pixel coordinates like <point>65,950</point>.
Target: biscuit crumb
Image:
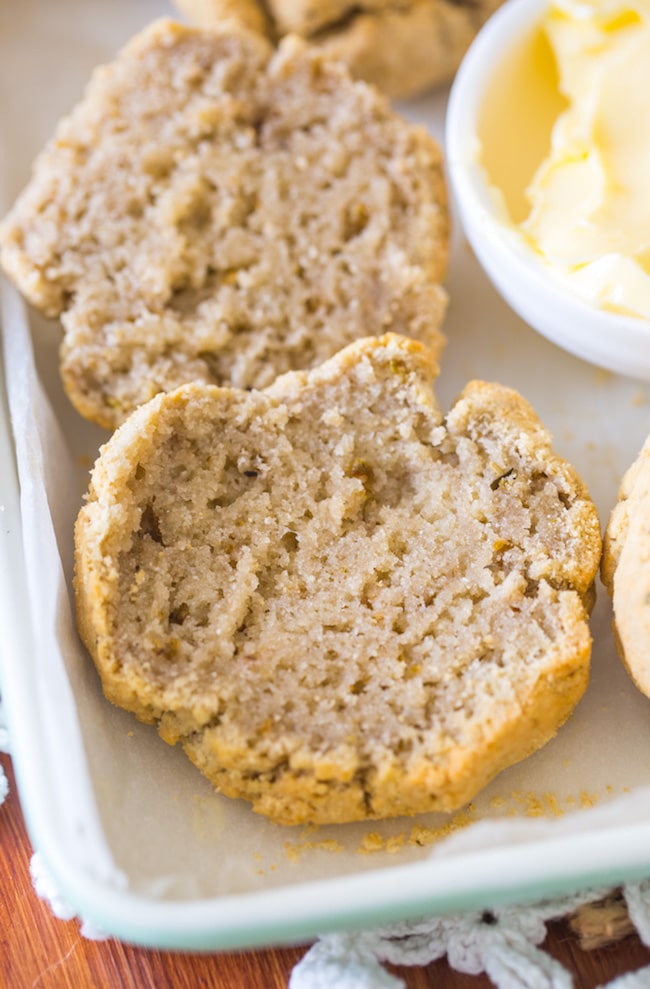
<point>295,850</point>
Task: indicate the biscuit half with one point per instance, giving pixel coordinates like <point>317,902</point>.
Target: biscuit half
<point>218,211</point>
<point>343,604</point>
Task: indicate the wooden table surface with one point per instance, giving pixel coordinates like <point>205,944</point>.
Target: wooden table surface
<point>38,951</point>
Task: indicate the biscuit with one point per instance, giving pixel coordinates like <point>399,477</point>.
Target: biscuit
<point>343,604</point>
<point>404,48</point>
<point>626,569</point>
<point>215,210</point>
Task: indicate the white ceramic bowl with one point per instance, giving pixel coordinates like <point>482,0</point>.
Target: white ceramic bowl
<point>618,343</point>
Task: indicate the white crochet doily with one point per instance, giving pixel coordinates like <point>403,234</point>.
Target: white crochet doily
<point>502,942</point>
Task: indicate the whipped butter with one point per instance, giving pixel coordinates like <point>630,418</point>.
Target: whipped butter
<point>585,207</point>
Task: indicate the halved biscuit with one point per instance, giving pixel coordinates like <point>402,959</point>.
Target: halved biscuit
<point>217,211</point>
<point>342,603</point>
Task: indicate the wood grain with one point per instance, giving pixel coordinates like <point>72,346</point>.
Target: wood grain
<point>37,951</point>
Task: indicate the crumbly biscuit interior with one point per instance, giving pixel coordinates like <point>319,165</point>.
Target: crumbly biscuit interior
<point>344,571</point>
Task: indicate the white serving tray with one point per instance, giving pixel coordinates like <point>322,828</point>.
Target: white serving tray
<point>134,837</point>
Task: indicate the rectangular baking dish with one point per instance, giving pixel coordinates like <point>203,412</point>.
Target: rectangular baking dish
<point>134,837</point>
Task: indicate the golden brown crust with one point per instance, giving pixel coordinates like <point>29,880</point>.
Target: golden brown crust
<point>626,569</point>
<point>342,604</point>
<point>216,210</point>
<point>403,48</point>
<point>337,792</point>
<point>248,14</point>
